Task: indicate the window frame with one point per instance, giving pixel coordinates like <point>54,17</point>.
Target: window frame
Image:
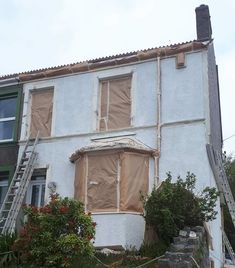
<point>10,170</point>
<point>108,79</point>
<point>10,92</point>
<point>33,92</point>
<point>9,119</point>
<point>40,182</point>
<point>4,183</point>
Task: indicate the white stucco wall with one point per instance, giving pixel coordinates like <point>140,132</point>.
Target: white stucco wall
<point>183,89</point>
<point>125,230</point>
<point>184,131</point>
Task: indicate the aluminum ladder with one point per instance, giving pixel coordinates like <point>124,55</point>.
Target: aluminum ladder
<point>224,184</point>
<point>18,187</point>
<point>229,247</point>
<point>226,188</point>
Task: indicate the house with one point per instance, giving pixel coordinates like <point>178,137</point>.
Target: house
<point>10,108</point>
<point>112,127</point>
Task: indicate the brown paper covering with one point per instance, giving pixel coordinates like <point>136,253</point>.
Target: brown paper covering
<point>41,113</point>
<point>134,180</point>
<point>102,182</point>
<point>103,107</point>
<point>116,99</point>
<point>80,179</point>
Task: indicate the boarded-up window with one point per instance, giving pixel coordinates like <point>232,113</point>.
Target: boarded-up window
<point>115,103</point>
<point>134,181</point>
<point>41,113</point>
<point>112,181</point>
<point>102,182</point>
<point>80,179</point>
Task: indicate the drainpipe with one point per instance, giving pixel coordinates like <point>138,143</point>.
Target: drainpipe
<point>156,158</point>
<point>10,81</point>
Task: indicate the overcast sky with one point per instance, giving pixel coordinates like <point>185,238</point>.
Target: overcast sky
<point>38,34</point>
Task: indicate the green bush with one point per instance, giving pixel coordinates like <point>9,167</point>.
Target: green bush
<point>7,256</point>
<point>56,234</point>
<point>153,250</point>
<point>175,205</point>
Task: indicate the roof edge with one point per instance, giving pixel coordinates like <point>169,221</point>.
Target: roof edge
<point>125,144</point>
<point>116,60</point>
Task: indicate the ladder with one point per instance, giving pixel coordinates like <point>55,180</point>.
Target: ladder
<point>226,188</point>
<point>229,247</point>
<point>18,187</point>
<point>224,184</point>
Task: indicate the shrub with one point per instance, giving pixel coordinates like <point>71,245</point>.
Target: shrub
<point>56,234</point>
<point>7,256</point>
<point>153,249</point>
<point>175,206</point>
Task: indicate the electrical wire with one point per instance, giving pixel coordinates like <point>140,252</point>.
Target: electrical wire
<point>105,265</point>
<point>229,137</point>
<point>195,261</point>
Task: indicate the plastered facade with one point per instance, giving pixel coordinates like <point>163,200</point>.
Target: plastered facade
<point>184,126</point>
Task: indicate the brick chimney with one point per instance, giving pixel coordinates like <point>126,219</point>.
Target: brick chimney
<point>204,31</point>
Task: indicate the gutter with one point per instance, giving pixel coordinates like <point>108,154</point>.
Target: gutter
<point>10,81</point>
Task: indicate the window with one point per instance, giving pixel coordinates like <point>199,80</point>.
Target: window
<point>115,103</point>
<point>7,118</point>
<point>4,177</point>
<point>36,192</point>
<point>112,181</point>
<point>41,112</point>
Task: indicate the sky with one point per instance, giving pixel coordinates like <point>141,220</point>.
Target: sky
<point>37,34</point>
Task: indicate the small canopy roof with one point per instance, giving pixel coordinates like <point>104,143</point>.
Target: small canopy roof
<point>114,143</point>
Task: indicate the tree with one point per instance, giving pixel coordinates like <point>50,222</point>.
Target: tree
<point>56,234</point>
<point>175,205</point>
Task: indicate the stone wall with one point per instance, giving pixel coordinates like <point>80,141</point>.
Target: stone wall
<point>188,250</point>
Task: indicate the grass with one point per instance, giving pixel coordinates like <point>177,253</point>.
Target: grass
<point>126,259</point>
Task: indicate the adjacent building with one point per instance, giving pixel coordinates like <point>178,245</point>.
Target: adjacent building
<point>10,122</point>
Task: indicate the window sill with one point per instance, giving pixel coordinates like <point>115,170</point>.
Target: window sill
<point>6,140</point>
<point>4,143</point>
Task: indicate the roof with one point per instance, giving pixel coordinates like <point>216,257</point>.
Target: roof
<point>114,143</point>
<point>109,61</point>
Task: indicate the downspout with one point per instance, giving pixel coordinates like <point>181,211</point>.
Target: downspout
<point>157,156</point>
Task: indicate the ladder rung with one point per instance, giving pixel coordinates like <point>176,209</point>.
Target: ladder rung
<point>24,159</point>
<point>17,180</point>
<point>22,166</point>
<point>14,187</point>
